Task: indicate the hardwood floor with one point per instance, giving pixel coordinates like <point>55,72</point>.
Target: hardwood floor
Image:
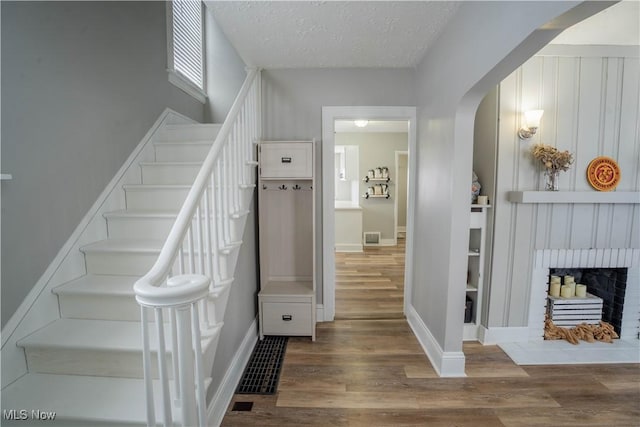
<point>370,285</point>
<point>373,372</point>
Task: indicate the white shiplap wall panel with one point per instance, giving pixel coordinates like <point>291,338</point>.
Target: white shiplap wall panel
<point>591,108</point>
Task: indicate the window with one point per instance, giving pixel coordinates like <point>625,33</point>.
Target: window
<point>185,41</point>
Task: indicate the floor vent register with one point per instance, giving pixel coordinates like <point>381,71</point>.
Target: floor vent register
<point>263,370</point>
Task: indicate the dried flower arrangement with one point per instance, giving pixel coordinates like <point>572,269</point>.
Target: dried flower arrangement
<point>551,158</point>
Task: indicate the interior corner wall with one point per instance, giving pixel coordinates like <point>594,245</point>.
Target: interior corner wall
<point>82,82</point>
<point>451,81</point>
<point>292,102</point>
<point>485,152</point>
<point>225,71</point>
<point>591,105</point>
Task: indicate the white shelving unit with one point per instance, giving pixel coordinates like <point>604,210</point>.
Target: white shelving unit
<point>287,297</point>
<point>475,268</point>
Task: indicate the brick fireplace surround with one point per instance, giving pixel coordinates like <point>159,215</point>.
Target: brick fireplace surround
<point>538,351</point>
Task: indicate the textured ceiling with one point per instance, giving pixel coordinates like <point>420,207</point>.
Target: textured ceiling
<point>311,34</point>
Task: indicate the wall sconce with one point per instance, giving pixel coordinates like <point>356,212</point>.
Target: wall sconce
<point>361,123</point>
<point>532,123</point>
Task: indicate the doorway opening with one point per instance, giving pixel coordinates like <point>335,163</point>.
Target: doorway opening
<point>370,201</point>
<point>360,197</point>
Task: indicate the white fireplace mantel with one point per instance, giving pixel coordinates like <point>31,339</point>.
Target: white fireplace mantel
<point>628,197</point>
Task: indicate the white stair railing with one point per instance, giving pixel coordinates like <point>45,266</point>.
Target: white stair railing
<point>192,265</point>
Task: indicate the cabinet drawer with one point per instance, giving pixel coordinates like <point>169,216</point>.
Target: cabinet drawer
<point>286,319</point>
<point>286,160</point>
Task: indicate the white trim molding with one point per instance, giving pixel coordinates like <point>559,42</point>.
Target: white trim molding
<point>445,363</point>
<point>348,247</point>
<point>499,335</point>
<point>186,86</point>
<point>228,385</point>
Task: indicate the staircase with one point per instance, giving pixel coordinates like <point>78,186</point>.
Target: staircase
<point>87,366</point>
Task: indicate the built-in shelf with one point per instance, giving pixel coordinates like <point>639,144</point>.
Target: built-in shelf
<point>375,196</point>
<point>474,252</point>
<point>367,179</point>
<point>629,197</point>
<point>471,289</point>
<point>5,177</point>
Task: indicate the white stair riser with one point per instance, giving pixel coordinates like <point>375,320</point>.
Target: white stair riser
<point>156,198</point>
<point>131,264</point>
<point>184,152</point>
<point>119,263</point>
<point>85,362</point>
<point>139,227</point>
<point>197,132</point>
<point>169,174</point>
<point>101,307</point>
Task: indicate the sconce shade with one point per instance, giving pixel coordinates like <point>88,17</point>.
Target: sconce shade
<point>532,118</point>
<point>531,123</point>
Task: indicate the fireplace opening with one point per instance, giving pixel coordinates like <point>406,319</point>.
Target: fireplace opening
<point>609,284</point>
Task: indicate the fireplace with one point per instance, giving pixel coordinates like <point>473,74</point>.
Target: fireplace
<point>603,271</point>
<point>607,283</point>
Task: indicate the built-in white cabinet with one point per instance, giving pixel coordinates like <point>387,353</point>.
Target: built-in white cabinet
<point>475,271</point>
<point>287,297</point>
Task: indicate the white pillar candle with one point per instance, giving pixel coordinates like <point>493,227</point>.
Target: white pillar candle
<point>483,200</point>
<point>555,279</point>
<point>572,286</point>
<point>581,290</point>
<point>568,279</point>
<point>565,292</point>
<point>554,289</point>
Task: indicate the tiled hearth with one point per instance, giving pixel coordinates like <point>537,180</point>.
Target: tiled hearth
<point>537,351</point>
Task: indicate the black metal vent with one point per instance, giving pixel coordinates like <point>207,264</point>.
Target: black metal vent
<point>263,370</point>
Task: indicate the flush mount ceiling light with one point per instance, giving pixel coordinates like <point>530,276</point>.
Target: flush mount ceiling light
<point>361,123</point>
<point>531,123</point>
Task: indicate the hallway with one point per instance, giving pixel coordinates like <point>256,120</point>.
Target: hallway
<point>370,285</point>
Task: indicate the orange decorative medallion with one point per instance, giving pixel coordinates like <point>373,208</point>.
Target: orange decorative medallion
<point>603,173</point>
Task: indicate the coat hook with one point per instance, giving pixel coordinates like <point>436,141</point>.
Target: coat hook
<point>264,187</point>
<point>283,187</point>
<point>297,187</point>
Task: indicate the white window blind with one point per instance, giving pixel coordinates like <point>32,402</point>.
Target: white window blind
<point>187,40</point>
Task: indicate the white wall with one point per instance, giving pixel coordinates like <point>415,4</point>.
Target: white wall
<point>225,71</point>
<point>82,82</point>
<point>451,81</point>
<point>293,101</point>
<point>591,107</point>
<point>376,149</point>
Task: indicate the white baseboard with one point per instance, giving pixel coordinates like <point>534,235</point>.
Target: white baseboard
<point>388,242</point>
<point>319,313</point>
<point>348,247</point>
<point>224,394</point>
<point>445,363</point>
<point>500,335</point>
<point>401,229</point>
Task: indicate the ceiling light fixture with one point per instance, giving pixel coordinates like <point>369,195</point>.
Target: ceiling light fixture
<point>361,123</point>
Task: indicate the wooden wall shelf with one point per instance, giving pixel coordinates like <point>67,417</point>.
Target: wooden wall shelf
<point>628,197</point>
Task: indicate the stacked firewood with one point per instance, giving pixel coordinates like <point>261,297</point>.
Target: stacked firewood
<point>601,332</point>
